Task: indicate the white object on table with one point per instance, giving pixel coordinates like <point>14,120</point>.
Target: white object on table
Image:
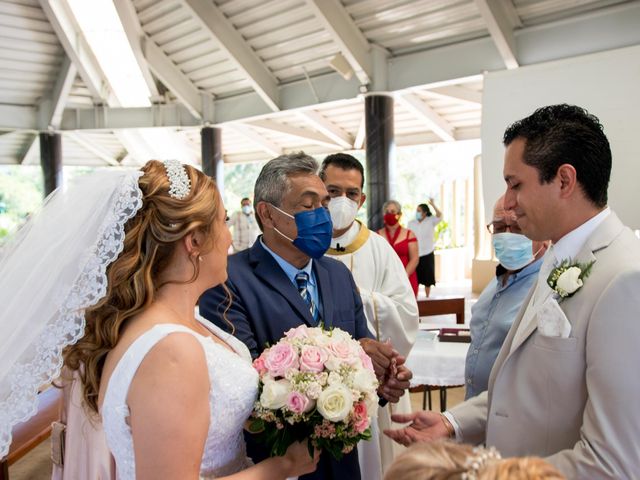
<point>437,363</point>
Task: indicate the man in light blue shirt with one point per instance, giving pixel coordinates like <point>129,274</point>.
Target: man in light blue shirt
<point>500,301</point>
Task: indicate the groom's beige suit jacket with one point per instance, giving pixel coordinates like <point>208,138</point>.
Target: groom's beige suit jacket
<point>575,400</point>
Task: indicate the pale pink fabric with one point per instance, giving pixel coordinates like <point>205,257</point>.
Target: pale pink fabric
<point>86,453</point>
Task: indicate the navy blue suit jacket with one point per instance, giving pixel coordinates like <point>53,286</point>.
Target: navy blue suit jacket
<point>266,304</point>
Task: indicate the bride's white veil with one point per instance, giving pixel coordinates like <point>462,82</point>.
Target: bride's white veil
<point>49,273</point>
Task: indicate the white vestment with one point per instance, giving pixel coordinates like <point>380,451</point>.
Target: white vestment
<point>392,314</point>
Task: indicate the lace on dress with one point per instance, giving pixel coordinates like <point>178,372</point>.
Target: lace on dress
<point>234,387</point>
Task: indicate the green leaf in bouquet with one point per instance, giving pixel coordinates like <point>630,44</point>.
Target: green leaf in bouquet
<point>366,435</point>
<point>256,425</point>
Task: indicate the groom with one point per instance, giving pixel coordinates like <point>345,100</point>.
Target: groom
<point>284,281</point>
<point>564,385</point>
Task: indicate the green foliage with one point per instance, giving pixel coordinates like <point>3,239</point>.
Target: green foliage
<point>21,193</point>
<point>442,234</point>
<point>239,180</point>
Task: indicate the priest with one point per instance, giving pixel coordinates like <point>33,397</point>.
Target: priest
<point>387,297</point>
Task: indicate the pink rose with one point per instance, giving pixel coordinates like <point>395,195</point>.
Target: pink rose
<point>298,403</point>
<point>366,360</point>
<point>343,350</point>
<point>360,417</point>
<point>281,357</point>
<point>259,366</point>
<point>312,359</point>
<point>298,332</point>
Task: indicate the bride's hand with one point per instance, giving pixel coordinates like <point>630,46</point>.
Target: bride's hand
<point>299,461</point>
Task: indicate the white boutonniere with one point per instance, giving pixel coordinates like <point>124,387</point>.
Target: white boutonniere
<point>567,278</point>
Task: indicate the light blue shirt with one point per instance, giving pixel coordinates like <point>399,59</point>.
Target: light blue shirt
<point>291,272</point>
<point>491,318</point>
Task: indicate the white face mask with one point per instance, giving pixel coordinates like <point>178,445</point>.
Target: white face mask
<point>343,212</point>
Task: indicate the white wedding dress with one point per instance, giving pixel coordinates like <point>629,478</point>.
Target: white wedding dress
<point>234,387</point>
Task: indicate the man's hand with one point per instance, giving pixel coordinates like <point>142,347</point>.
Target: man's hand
<point>395,384</point>
<point>425,426</point>
<point>381,355</point>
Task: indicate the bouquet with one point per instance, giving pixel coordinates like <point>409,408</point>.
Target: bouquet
<point>315,384</point>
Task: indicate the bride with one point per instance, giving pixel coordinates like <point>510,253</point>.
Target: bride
<point>107,278</point>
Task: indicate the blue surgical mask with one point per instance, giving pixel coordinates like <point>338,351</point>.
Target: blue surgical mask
<point>513,250</point>
<point>418,216</point>
<point>246,209</point>
<point>314,231</point>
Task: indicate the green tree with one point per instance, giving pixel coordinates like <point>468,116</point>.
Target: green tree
<point>21,193</point>
<point>239,180</point>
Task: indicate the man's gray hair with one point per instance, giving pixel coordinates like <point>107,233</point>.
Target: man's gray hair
<point>273,182</point>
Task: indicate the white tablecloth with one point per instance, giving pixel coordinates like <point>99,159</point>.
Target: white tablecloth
<point>437,363</point>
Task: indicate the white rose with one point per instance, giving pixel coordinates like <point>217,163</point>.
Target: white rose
<point>569,280</point>
<point>338,334</point>
<point>274,394</point>
<point>365,380</point>
<point>335,403</point>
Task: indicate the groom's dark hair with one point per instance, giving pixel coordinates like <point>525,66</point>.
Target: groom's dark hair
<point>561,134</point>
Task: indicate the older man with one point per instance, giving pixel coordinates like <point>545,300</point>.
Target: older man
<point>561,386</point>
<point>387,297</point>
<point>283,281</point>
<point>499,303</point>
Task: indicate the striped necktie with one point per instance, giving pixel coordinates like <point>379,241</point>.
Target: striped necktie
<point>302,280</point>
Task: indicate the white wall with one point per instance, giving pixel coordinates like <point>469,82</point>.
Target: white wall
<point>607,84</point>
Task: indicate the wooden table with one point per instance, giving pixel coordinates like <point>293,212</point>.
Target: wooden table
<point>27,435</point>
<point>442,306</point>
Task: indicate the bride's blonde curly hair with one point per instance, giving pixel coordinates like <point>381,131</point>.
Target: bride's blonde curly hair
<point>150,240</point>
<point>447,460</point>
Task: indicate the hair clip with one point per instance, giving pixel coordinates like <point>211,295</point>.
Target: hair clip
<point>179,183</point>
<point>478,460</point>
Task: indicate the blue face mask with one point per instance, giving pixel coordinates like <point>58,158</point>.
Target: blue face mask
<point>513,250</point>
<point>314,231</point>
<point>418,216</point>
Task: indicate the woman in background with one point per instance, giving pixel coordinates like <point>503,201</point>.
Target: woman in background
<point>401,239</point>
<point>423,226</point>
